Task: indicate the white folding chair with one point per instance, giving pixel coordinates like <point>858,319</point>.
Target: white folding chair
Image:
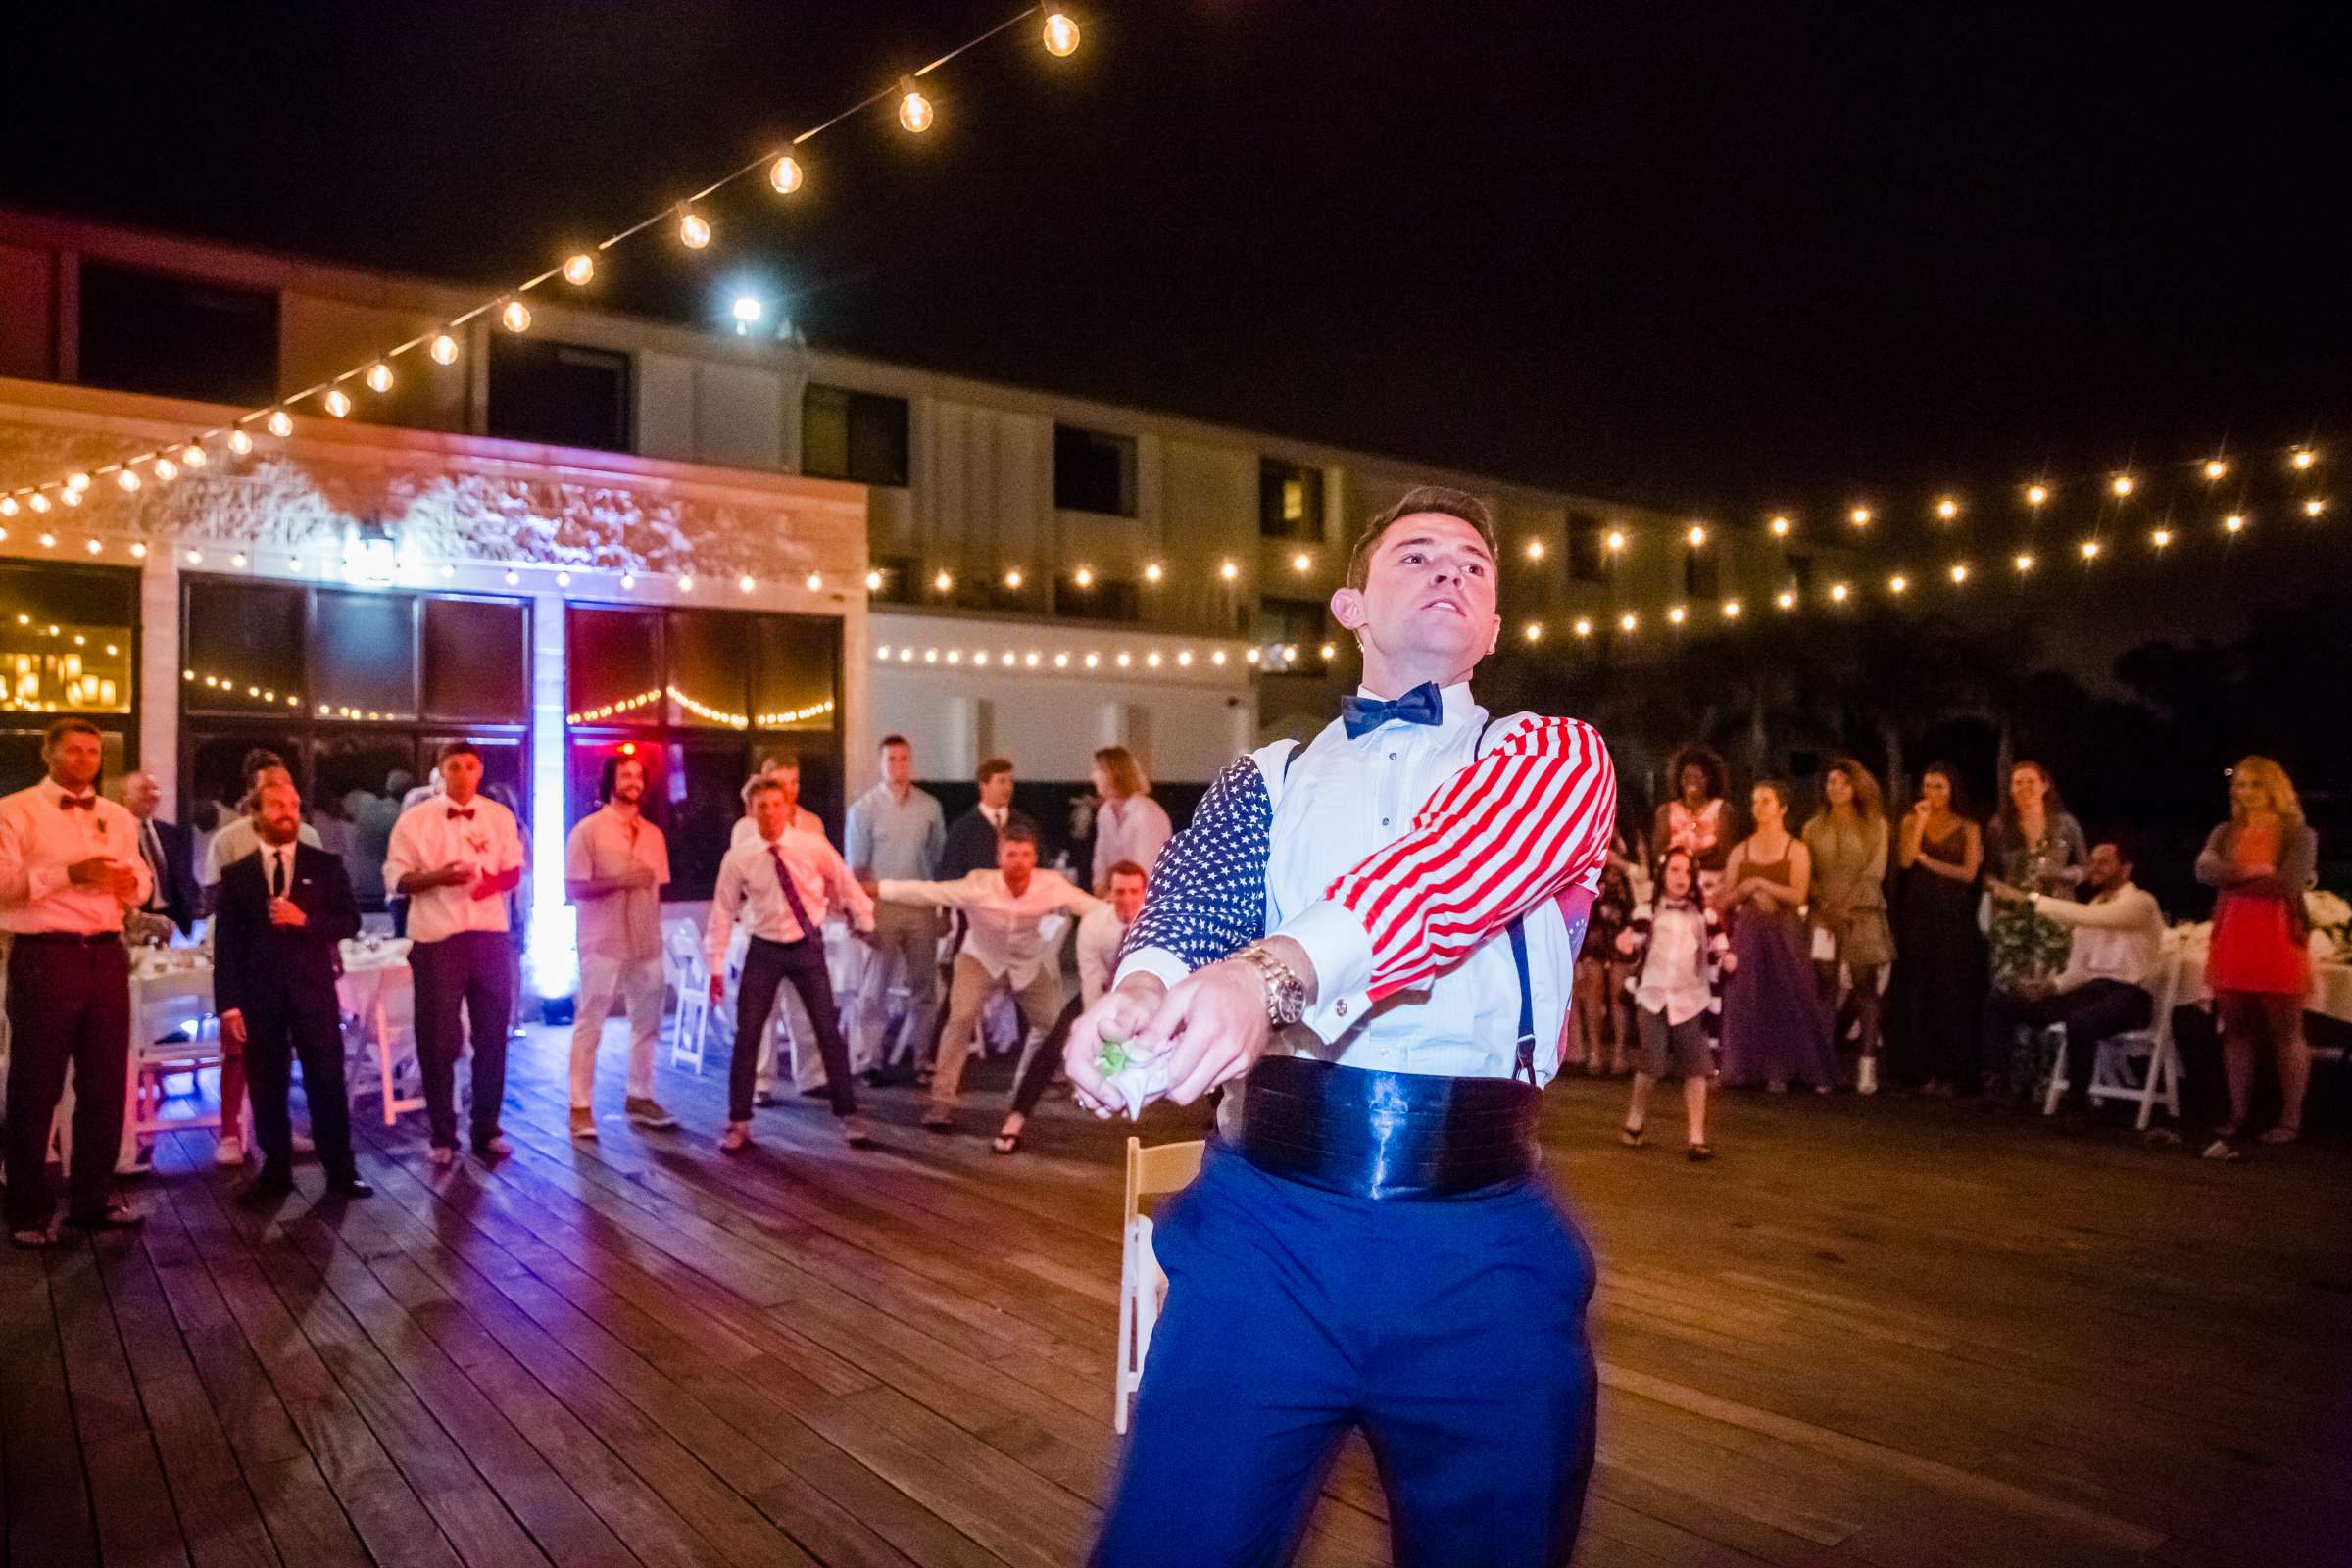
<point>387,1031</point>
<point>682,956</point>
<point>1161,1168</point>
<point>2112,1074</point>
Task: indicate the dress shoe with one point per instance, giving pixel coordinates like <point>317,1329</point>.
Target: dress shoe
<point>647,1111</point>
<point>350,1187</point>
<point>494,1146</point>
<point>855,1131</point>
<point>442,1156</point>
<point>113,1216</point>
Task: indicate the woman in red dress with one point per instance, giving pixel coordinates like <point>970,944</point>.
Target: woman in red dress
<point>2263,861</point>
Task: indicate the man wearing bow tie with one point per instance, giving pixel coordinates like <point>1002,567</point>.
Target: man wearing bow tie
<point>284,912</point>
<point>454,858</point>
<point>1366,938</point>
<point>70,867</point>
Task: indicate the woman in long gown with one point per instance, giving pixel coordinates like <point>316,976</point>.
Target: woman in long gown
<point>1937,992</point>
<point>1774,1030</point>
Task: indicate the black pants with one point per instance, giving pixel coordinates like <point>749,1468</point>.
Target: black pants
<point>2090,1012</point>
<point>767,966</point>
<point>277,1030</point>
<point>68,1003</point>
<point>464,979</point>
<point>1037,1068</point>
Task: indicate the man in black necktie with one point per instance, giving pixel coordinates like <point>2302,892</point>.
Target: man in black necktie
<point>168,849</point>
<point>284,911</point>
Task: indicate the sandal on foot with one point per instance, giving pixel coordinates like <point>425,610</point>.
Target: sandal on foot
<point>1005,1144</point>
<point>2221,1149</point>
<point>1630,1137</point>
<point>2283,1133</point>
<point>1699,1153</point>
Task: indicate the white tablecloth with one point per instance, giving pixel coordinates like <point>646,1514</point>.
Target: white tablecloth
<point>2330,983</point>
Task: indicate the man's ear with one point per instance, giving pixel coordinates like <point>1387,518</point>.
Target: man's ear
<point>1347,608</point>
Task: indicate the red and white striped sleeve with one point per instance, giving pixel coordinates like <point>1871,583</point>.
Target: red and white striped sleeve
<point>1524,823</point>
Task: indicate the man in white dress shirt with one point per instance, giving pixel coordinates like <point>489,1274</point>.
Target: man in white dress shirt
<point>1366,938</point>
<point>615,864</point>
<point>1099,936</point>
<point>808,1073</point>
<point>1003,945</point>
<point>70,867</point>
<point>454,857</point>
<point>781,886</point>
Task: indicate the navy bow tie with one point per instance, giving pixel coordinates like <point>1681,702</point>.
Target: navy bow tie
<point>1420,705</point>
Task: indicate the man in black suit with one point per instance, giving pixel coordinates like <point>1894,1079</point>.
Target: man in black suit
<point>283,911</point>
<point>971,843</point>
<point>169,851</point>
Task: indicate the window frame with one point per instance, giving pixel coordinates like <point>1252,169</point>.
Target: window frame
<point>1131,477</point>
<point>852,399</point>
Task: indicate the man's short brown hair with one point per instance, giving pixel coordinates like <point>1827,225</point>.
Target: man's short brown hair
<point>991,769</point>
<point>1420,500</point>
<point>59,729</point>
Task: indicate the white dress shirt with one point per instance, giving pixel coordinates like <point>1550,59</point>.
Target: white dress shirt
<point>1135,829</point>
<point>1674,977</point>
<point>40,841</point>
<point>1414,1000</point>
<point>2118,935</point>
<point>239,837</point>
<point>433,833</point>
<point>1004,936</point>
<point>1099,934</point>
<point>748,890</point>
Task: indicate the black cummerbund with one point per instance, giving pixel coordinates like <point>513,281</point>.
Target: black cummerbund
<point>1386,1134</point>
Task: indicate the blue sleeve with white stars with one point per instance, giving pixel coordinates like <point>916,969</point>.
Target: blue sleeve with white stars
<point>1208,894</point>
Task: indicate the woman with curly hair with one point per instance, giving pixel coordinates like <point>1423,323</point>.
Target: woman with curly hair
<point>2261,862</point>
<point>1847,841</point>
<point>1697,819</point>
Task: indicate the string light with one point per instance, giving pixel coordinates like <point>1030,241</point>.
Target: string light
<point>1084,576</point>
<point>816,583</point>
<point>193,455</point>
<point>1785,599</point>
<point>1152,572</point>
<point>128,480</point>
<point>2161,537</point>
<point>2090,550</point>
<point>2216,467</point>
<point>1859,516</point>
<point>513,576</point>
<point>2036,494</point>
<point>165,470</point>
<point>694,229</point>
<point>1959,572</point>
<point>580,270</point>
<point>563,579</point>
<point>2234,522</point>
<point>785,175</point>
<point>1897,583</point>
<point>1839,593</point>
<point>94,547</point>
<point>628,579</point>
<point>1676,614</point>
<point>1534,634</point>
<point>37,502</point>
<point>2302,458</point>
<point>915,110</point>
<point>1302,562</point>
<point>1229,571</point>
<point>8,506</point>
<point>1534,550</point>
<point>71,498</point>
<point>1779,528</point>
<point>1696,536</point>
<point>1583,626</point>
<point>873,582</point>
<point>685,582</point>
<point>338,402</point>
<point>1615,541</point>
<point>515,316</point>
<point>2023,561</point>
<point>2122,484</point>
<point>2314,506</point>
<point>138,551</point>
<point>1733,608</point>
<point>76,483</point>
<point>746,583</point>
<point>1947,509</point>
<point>444,350</point>
<point>240,443</point>
<point>1628,622</point>
<point>941,582</point>
<point>280,423</point>
<point>1012,579</point>
<point>1060,32</point>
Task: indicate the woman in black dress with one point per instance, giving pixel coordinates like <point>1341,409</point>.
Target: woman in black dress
<point>1938,981</point>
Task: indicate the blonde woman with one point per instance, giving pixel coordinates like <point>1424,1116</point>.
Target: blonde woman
<point>2261,862</point>
<point>1131,825</point>
<point>1847,841</point>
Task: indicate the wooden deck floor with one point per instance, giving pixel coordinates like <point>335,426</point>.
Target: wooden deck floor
<point>1873,1332</point>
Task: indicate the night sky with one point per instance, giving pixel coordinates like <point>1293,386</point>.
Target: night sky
<point>1720,257</point>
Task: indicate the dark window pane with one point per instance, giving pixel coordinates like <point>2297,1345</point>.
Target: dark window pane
<point>584,759</point>
<point>144,332</point>
<point>477,660</point>
<point>20,755</point>
<point>558,392</point>
<point>363,656</point>
<point>860,436</point>
<point>1290,621</point>
<point>1700,573</point>
<point>66,639</point>
<point>1800,574</point>
<point>700,797</point>
<point>612,659</point>
<point>242,648</point>
<point>1100,599</point>
<point>1094,471</point>
<point>212,779</point>
<point>1588,554</point>
<point>794,683</point>
<point>709,669</point>
<point>1289,499</point>
<point>359,779</point>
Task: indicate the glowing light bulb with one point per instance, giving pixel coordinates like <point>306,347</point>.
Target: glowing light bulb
<point>1677,614</point>
<point>127,479</point>
<point>1153,574</point>
<point>1084,577</point>
<point>1839,593</point>
<point>8,506</point>
<point>77,482</point>
<point>580,270</point>
<point>1303,561</point>
<point>1061,33</point>
<point>747,310</point>
<point>694,229</point>
<point>239,442</point>
<point>746,583</point>
<point>2023,561</point>
<point>915,110</point>
<point>1898,583</point>
<point>1779,528</point>
<point>1063,660</point>
<point>513,576</point>
<point>1012,579</point>
<point>563,579</point>
<point>2036,494</point>
<point>1615,540</point>
<point>515,317</point>
<point>379,377</point>
<point>280,423</point>
<point>138,551</point>
<point>873,582</point>
<point>1583,626</point>
<point>2090,550</point>
<point>1785,599</point>
<point>444,349</point>
<point>628,579</point>
<point>1126,659</point>
<point>941,584</point>
<point>2122,484</point>
<point>1154,658</point>
<point>1698,534</point>
<point>193,455</point>
<point>1731,609</point>
<point>1534,633</point>
<point>2303,458</point>
<point>1947,509</point>
<point>2234,522</point>
<point>1218,659</point>
<point>815,582</point>
<point>785,175</point>
<point>686,582</point>
<point>2314,506</point>
<point>71,498</point>
<point>1859,516</point>
<point>48,541</point>
<point>1628,622</point>
<point>338,402</point>
<point>1959,572</point>
<point>2161,537</point>
<point>2216,467</point>
<point>1534,550</point>
<point>1229,571</point>
<point>37,502</point>
<point>165,470</point>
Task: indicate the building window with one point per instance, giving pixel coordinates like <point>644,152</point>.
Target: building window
<point>1094,471</point>
<point>357,692</point>
<point>1701,573</point>
<point>559,393</point>
<point>698,696</point>
<point>68,645</point>
<point>1289,499</point>
<point>1290,623</point>
<point>177,337</point>
<point>1800,574</point>
<point>1588,549</point>
<point>858,436</point>
<point>1099,598</point>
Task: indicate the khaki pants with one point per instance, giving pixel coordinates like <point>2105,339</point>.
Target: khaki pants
<point>967,992</point>
<point>637,982</point>
<point>906,951</point>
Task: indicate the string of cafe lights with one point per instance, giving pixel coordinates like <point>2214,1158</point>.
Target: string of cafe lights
<point>787,174</point>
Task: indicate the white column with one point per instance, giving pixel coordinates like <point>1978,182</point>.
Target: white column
<point>159,671</point>
<point>551,960</point>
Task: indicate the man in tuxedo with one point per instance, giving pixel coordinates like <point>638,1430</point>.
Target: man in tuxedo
<point>168,849</point>
<point>971,843</point>
<point>283,912</point>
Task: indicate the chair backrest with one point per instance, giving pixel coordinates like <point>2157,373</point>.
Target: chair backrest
<point>1160,1168</point>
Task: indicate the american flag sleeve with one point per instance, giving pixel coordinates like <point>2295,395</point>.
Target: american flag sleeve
<point>1206,897</point>
<point>1530,819</point>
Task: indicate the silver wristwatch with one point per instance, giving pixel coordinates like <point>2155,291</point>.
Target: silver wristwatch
<point>1286,991</point>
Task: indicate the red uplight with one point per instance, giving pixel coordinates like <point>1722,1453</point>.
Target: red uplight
<point>628,747</point>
